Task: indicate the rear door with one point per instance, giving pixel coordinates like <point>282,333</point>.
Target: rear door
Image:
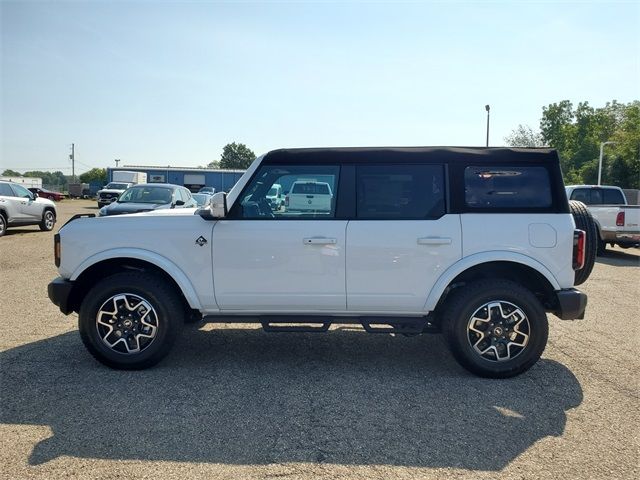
<point>267,259</point>
<point>401,239</point>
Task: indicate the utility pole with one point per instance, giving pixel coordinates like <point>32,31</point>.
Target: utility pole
<point>117,160</point>
<point>73,163</point>
<point>487,108</point>
<point>600,162</point>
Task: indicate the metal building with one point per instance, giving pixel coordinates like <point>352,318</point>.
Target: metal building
<point>192,178</point>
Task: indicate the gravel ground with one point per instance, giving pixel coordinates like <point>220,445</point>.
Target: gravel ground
<point>234,402</point>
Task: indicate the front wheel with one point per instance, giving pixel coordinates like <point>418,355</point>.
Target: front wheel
<point>48,221</point>
<point>130,320</point>
<point>495,329</point>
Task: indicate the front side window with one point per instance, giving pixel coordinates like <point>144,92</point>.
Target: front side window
<point>501,187</point>
<point>400,192</point>
<point>158,195</point>
<point>308,191</point>
<point>21,192</point>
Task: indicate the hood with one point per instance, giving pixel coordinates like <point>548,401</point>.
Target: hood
<point>117,208</point>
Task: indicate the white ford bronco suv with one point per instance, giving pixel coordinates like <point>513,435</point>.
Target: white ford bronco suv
<point>478,243</point>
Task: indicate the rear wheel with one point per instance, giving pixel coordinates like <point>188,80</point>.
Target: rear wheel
<point>130,320</point>
<point>3,225</point>
<point>495,329</point>
<point>584,221</point>
<point>48,221</point>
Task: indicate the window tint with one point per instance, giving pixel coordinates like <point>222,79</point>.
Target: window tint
<point>308,193</point>
<point>409,192</point>
<point>20,191</point>
<point>582,195</point>
<point>5,190</point>
<point>612,197</point>
<point>507,187</point>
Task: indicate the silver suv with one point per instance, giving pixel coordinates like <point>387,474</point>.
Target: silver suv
<point>18,207</point>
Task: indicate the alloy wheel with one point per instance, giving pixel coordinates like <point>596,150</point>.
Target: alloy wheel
<point>127,323</point>
<point>498,331</point>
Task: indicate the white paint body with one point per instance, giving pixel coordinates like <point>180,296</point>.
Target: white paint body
<point>606,215</point>
<point>337,267</point>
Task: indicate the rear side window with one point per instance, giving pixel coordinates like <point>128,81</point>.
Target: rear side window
<point>400,192</point>
<point>5,190</point>
<point>507,187</point>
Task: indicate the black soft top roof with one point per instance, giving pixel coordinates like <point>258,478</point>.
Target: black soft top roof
<point>412,154</point>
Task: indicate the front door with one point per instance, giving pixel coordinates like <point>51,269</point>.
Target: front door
<point>27,210</point>
<point>269,258</point>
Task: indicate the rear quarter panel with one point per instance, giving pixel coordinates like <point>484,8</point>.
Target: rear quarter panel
<point>546,238</point>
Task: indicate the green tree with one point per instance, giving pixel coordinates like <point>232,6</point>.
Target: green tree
<point>577,135</point>
<point>524,136</point>
<point>11,173</point>
<point>94,175</point>
<point>214,164</point>
<point>236,156</point>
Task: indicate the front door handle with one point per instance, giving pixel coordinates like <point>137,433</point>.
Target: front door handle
<point>434,241</point>
<point>319,241</point>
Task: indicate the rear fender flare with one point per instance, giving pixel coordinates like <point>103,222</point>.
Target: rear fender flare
<point>477,259</point>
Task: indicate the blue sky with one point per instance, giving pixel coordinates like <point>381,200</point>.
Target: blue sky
<point>171,83</point>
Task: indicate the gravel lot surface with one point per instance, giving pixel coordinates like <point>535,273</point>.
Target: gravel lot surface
<point>234,402</point>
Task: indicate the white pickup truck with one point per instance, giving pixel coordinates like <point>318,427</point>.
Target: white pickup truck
<point>618,223</point>
<point>477,243</point>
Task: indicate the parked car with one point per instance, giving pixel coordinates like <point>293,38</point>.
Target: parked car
<point>149,196</point>
<point>44,193</point>
<point>309,196</point>
<point>20,207</point>
<point>202,199</point>
<point>617,222</point>
<point>275,197</point>
<point>477,243</point>
<point>111,192</point>
<point>209,190</point>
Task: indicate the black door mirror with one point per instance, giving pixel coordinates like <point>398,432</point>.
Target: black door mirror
<point>179,203</point>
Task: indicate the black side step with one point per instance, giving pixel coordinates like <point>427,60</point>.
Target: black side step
<point>289,327</point>
<point>319,323</point>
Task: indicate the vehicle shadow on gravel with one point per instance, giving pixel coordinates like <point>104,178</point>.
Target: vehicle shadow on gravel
<point>617,258</point>
<point>236,396</point>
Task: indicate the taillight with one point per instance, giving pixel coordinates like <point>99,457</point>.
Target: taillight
<point>56,249</point>
<point>579,240</point>
<point>286,201</point>
<point>620,219</point>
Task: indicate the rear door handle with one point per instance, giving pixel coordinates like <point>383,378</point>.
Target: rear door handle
<point>319,241</point>
<point>434,241</point>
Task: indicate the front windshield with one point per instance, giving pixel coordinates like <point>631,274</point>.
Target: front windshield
<point>273,191</point>
<point>160,195</point>
<point>117,186</point>
<point>201,198</point>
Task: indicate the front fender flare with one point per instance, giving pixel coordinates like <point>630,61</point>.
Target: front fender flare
<point>159,261</point>
<point>477,259</point>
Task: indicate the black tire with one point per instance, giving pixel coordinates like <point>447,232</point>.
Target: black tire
<point>584,221</point>
<point>3,225</point>
<point>602,247</point>
<point>167,313</point>
<point>465,301</point>
<point>48,220</point>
